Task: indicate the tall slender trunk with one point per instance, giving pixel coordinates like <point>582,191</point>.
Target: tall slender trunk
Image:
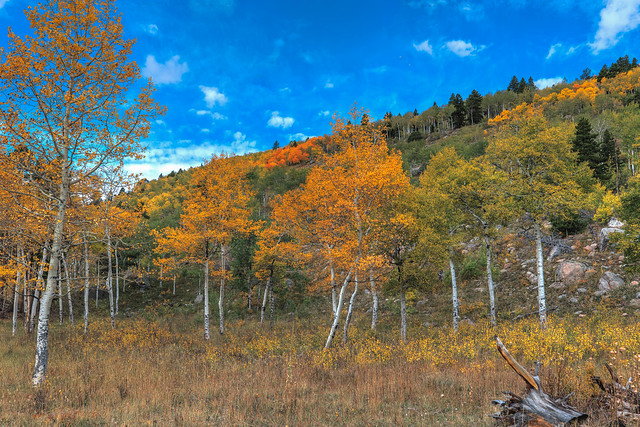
<point>347,320</point>
<point>42,338</point>
<point>264,297</point>
<point>222,283</point>
<point>492,300</point>
<point>36,295</point>
<point>112,308</point>
<point>16,299</point>
<point>118,280</point>
<point>374,295</point>
<point>403,316</point>
<point>336,316</point>
<point>334,297</point>
<point>542,303</point>
<point>97,280</point>
<point>271,307</point>
<point>86,283</point>
<point>454,295</point>
<point>174,284</point>
<point>69,301</point>
<point>60,289</point>
<point>207,335</point>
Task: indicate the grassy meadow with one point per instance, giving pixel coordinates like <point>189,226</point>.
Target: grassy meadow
<point>157,370</point>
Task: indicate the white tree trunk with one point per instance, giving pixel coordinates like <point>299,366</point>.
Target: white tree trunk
<point>336,317</point>
<point>16,299</point>
<point>118,280</point>
<point>42,337</point>
<point>39,282</point>
<point>492,301</point>
<point>112,307</point>
<point>207,335</point>
<point>60,290</point>
<point>69,301</point>
<point>542,304</point>
<point>403,316</point>
<point>271,307</point>
<point>222,283</point>
<point>264,299</point>
<point>347,320</point>
<point>97,280</point>
<point>334,296</point>
<point>86,283</point>
<point>374,295</point>
<point>454,294</point>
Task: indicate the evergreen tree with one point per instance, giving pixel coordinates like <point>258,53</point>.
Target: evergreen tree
<point>459,112</point>
<point>531,84</point>
<point>276,145</point>
<point>611,161</point>
<point>522,85</point>
<point>604,72</point>
<point>513,84</point>
<point>415,112</point>
<point>586,74</point>
<point>474,107</point>
<point>585,144</point>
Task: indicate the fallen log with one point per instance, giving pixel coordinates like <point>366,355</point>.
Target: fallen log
<point>536,408</point>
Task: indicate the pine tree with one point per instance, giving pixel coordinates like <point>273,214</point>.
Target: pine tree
<point>585,144</point>
<point>474,107</point>
<point>513,84</point>
<point>522,85</point>
<point>586,74</point>
<point>531,84</point>
<point>459,112</point>
<point>611,161</point>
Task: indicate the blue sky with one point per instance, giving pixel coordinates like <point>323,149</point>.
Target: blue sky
<point>237,75</point>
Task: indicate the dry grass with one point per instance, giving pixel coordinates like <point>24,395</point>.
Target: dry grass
<point>162,373</point>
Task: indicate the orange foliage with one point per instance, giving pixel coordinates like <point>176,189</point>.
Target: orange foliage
<point>290,154</point>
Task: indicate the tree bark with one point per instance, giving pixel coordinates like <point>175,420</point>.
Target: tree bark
<point>60,290</point>
<point>16,298</point>
<point>336,317</point>
<point>334,297</point>
<point>542,304</point>
<point>118,279</point>
<point>112,308</point>
<point>347,320</point>
<point>207,335</point>
<point>42,338</point>
<point>222,283</point>
<point>271,307</point>
<point>97,280</point>
<point>264,298</point>
<point>86,283</point>
<point>374,295</point>
<point>454,293</point>
<point>69,301</point>
<point>492,301</point>
<point>36,295</point>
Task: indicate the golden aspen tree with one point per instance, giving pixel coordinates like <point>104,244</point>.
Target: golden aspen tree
<point>64,98</point>
<point>218,206</point>
<point>541,176</point>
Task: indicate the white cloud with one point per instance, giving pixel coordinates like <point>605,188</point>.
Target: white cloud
<point>299,137</point>
<point>213,96</point>
<point>618,17</point>
<point>424,47</point>
<point>328,85</point>
<point>553,49</point>
<point>213,114</point>
<point>325,113</point>
<point>151,29</point>
<point>170,156</point>
<point>277,121</point>
<point>543,83</point>
<point>3,2</point>
<point>461,48</point>
<point>167,73</point>
<point>205,130</point>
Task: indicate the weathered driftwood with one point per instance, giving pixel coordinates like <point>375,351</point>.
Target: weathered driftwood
<point>536,408</point>
<point>621,398</point>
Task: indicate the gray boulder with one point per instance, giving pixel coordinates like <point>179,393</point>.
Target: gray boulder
<point>605,234</point>
<point>610,281</point>
<point>571,272</point>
